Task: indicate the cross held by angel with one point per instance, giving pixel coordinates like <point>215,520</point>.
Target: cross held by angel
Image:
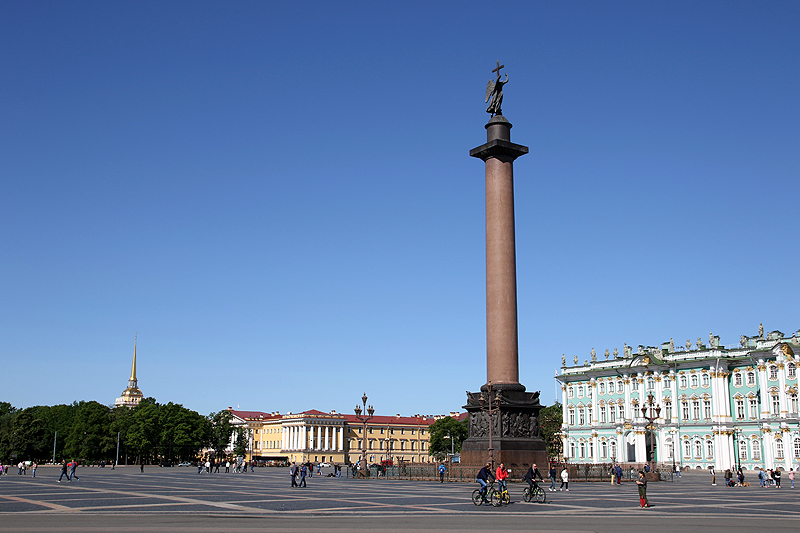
<point>494,92</point>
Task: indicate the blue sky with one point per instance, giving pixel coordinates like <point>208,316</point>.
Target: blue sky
<point>278,197</point>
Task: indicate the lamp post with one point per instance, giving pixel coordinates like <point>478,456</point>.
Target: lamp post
<point>736,432</point>
<point>674,433</point>
<point>655,411</point>
<point>486,407</point>
<point>368,412</point>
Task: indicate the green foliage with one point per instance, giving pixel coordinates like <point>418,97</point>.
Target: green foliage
<point>220,432</point>
<point>242,442</point>
<point>439,444</point>
<point>550,421</point>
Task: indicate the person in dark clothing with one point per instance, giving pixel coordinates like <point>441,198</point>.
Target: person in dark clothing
<point>63,471</point>
<point>303,472</point>
<point>293,473</point>
<point>642,484</point>
<point>484,476</point>
<point>531,475</point>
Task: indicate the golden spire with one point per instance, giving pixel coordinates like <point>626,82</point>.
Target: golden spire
<point>133,367</point>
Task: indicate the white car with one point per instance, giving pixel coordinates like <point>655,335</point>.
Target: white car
<point>324,465</point>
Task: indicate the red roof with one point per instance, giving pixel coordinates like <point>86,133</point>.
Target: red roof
<point>247,415</point>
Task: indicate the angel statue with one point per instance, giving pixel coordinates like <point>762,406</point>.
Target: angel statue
<point>494,91</point>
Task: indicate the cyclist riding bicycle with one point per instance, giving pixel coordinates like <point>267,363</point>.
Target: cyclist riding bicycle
<point>531,475</point>
<point>483,478</point>
<point>502,475</point>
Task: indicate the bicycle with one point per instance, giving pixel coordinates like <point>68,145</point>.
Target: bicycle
<point>538,494</point>
<point>499,497</point>
<point>486,497</point>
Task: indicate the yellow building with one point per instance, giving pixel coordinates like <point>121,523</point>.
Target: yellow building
<point>317,436</point>
<point>132,395</point>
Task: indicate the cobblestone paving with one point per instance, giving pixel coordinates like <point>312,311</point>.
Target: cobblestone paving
<point>181,493</point>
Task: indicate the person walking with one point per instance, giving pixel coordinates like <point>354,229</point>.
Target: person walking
<point>713,477</point>
<point>33,468</point>
<point>777,476</point>
<point>618,471</point>
<point>564,479</point>
<point>72,473</point>
<point>442,470</point>
<point>791,476</point>
<point>552,475</point>
<point>303,472</point>
<point>227,467</point>
<point>293,473</point>
<point>642,484</point>
<point>64,471</point>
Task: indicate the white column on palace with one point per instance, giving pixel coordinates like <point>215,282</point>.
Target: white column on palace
<point>340,439</point>
<point>327,438</point>
<point>626,379</point>
<point>593,390</point>
<point>768,448</point>
<point>675,407</point>
<point>784,410</point>
<point>764,387</point>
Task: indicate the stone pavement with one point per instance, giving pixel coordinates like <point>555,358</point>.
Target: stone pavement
<point>178,499</point>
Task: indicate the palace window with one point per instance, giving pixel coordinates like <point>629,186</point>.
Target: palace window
<point>694,381</point>
<point>667,411</point>
<point>583,450</point>
<point>706,380</point>
<point>581,417</point>
<point>737,379</point>
<point>698,449</point>
<point>589,391</point>
<point>602,414</point>
<point>580,391</point>
<point>685,409</point>
<point>797,448</point>
<point>590,412</point>
<point>779,449</point>
<point>603,450</point>
<point>687,449</point>
<point>707,409</point>
<point>570,392</point>
<point>743,450</point>
<point>611,387</point>
<point>571,416</point>
<point>670,448</point>
<point>683,382</point>
<point>751,379</point>
<point>614,449</point>
<point>776,403</point>
<point>739,408</point>
<point>791,370</point>
<point>753,403</point>
<point>619,386</point>
<point>635,383</point>
<point>572,449</point>
<point>667,383</point>
<point>773,372</point>
<point>756,450</point>
<point>651,384</point>
<point>709,449</point>
<point>622,412</point>
<point>696,409</point>
<point>591,449</point>
<point>793,403</point>
<point>612,414</point>
<point>602,388</point>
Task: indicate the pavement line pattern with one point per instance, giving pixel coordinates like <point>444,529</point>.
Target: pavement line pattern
<point>42,503</point>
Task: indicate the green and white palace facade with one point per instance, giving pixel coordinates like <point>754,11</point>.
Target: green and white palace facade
<point>718,406</point>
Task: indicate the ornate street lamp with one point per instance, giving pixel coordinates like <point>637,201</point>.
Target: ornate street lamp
<point>486,398</point>
<point>368,412</point>
<point>655,412</point>
<point>737,431</point>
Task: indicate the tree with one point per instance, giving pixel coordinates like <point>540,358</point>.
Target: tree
<point>220,432</point>
<point>242,442</point>
<point>440,434</point>
<point>28,436</point>
<point>550,421</point>
<point>144,428</point>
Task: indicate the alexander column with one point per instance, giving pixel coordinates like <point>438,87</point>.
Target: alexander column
<point>503,417</point>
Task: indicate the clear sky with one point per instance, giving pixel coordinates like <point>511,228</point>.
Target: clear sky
<point>278,196</point>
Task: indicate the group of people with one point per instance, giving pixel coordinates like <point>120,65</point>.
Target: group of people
<point>486,475</point>
<point>307,470</point>
<point>68,469</point>
<point>772,478</point>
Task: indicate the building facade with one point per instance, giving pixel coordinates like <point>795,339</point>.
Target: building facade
<point>331,437</point>
<point>717,406</point>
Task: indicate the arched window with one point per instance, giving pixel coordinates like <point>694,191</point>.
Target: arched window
<point>739,408</point>
<point>581,416</point>
<point>667,411</point>
<point>694,381</point>
<point>707,409</point>
<point>667,383</point>
<point>737,379</point>
<point>687,449</point>
<point>635,384</point>
<point>611,387</point>
<point>572,449</point>
<point>603,450</point>
<point>685,409</point>
<point>696,409</point>
<point>706,380</point>
<point>743,450</point>
<point>651,384</point>
<point>778,448</point>
<point>612,413</point>
<point>776,403</point>
<point>619,386</point>
<point>797,448</point>
<point>751,378</point>
<point>602,414</point>
<point>793,404</point>
<point>613,449</point>
<point>580,391</point>
<point>710,449</point>
<point>698,449</point>
<point>791,370</point>
<point>756,446</point>
<point>589,414</point>
<point>773,372</point>
<point>602,388</point>
<point>583,450</point>
<point>683,382</point>
<point>753,404</point>
<point>570,392</point>
<point>572,417</point>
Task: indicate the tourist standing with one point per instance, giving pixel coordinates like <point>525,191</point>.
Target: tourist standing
<point>552,474</point>
<point>564,479</point>
<point>618,470</point>
<point>642,484</point>
<point>33,468</point>
<point>293,473</point>
<point>303,473</point>
<point>441,472</point>
<point>776,474</point>
<point>791,476</point>
<point>227,467</point>
<point>713,477</point>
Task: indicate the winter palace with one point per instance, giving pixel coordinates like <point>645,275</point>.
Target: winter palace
<point>723,406</point>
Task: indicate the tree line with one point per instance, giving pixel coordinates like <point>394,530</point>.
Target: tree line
<point>90,432</point>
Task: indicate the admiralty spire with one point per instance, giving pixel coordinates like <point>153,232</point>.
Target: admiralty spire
<point>132,395</point>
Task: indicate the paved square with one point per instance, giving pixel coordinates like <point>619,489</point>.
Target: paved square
<point>178,499</point>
